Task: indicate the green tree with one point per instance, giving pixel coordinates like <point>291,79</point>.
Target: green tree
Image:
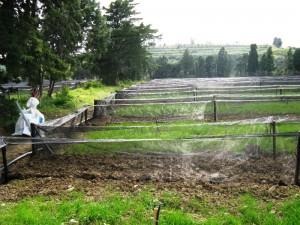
<point>277,42</point>
<point>210,66</point>
<point>263,63</point>
<point>18,23</point>
<point>297,59</point>
<point>43,37</point>
<point>253,60</point>
<point>223,64</point>
<point>267,65</point>
<point>187,63</point>
<point>33,60</point>
<point>63,30</point>
<point>97,42</point>
<point>126,56</point>
<point>8,24</point>
<point>23,51</point>
<point>242,65</point>
<point>3,74</point>
<point>163,68</point>
<point>200,66</point>
<point>270,61</point>
<point>290,62</point>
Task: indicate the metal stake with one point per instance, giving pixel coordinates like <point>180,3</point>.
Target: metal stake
<point>273,127</point>
<point>156,214</point>
<point>215,108</point>
<point>296,181</point>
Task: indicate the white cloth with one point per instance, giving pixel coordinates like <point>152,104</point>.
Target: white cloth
<point>32,115</point>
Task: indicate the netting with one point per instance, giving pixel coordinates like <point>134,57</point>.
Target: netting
<point>220,110</point>
<point>189,152</point>
<point>243,129</point>
<point>184,136</point>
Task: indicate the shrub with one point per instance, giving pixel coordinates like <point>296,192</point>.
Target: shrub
<point>8,113</point>
<point>63,97</point>
<point>125,83</point>
<point>93,84</point>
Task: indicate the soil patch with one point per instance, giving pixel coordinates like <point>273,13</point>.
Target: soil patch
<point>195,174</point>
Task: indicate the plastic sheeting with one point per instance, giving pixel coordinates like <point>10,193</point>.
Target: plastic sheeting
<point>29,116</point>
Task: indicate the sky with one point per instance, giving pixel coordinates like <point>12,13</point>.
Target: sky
<point>222,21</point>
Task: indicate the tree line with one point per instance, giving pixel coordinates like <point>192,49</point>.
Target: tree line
<point>58,39</point>
<point>224,65</point>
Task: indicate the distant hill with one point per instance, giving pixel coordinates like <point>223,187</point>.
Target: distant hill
<point>174,53</point>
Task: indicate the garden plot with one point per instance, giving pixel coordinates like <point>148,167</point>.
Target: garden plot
<point>172,146</point>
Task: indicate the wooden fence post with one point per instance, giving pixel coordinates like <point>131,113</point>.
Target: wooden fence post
<point>195,95</point>
<point>296,180</point>
<point>34,134</point>
<point>215,108</point>
<point>86,116</point>
<point>100,110</point>
<point>118,95</point>
<point>81,118</point>
<point>273,131</point>
<point>96,108</point>
<point>4,159</point>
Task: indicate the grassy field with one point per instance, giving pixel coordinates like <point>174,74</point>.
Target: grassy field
<point>115,209</point>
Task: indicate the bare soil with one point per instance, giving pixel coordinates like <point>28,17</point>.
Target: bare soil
<point>206,174</point>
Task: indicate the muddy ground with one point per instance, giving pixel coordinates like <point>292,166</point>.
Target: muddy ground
<point>207,174</point>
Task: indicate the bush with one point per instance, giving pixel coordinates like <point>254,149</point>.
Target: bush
<point>125,83</point>
<point>93,84</point>
<point>8,113</point>
<point>63,97</point>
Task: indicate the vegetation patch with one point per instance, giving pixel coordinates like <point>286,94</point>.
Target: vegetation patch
<point>115,209</point>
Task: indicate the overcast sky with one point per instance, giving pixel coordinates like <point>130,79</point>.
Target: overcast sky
<point>222,21</point>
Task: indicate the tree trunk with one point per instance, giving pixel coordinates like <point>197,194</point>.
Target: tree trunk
<point>51,87</point>
<point>41,90</point>
<point>41,83</point>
